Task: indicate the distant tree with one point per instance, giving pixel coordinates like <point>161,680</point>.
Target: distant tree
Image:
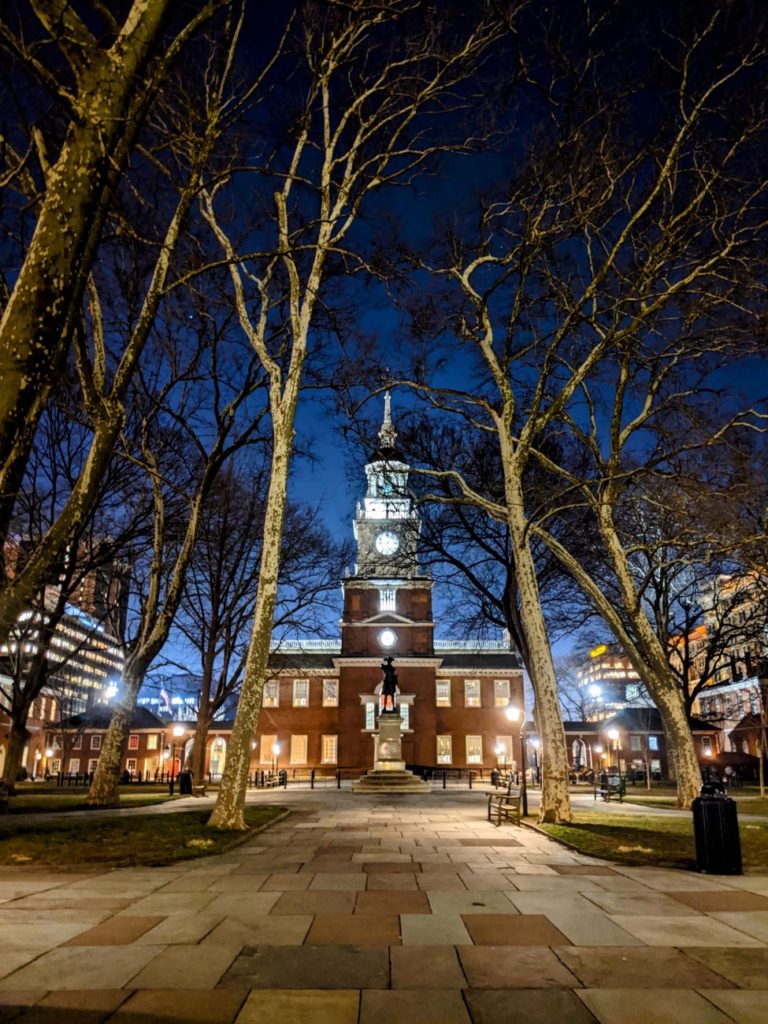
<point>376,90</point>
<point>216,610</point>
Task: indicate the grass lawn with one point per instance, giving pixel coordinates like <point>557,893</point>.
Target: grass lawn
<point>47,802</point>
<point>651,840</point>
<point>748,803</point>
<point>114,841</point>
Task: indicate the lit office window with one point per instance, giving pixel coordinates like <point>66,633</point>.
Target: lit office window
<point>298,749</point>
<point>443,693</point>
<point>474,749</point>
<point>472,693</point>
<point>301,693</point>
<point>330,747</point>
<point>271,697</point>
<point>501,692</point>
<point>444,750</point>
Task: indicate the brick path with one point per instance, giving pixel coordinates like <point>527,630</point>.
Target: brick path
<point>358,910</point>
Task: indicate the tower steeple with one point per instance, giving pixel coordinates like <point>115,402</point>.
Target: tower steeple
<point>387,432</point>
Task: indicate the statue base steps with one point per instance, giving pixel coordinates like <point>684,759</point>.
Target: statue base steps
<point>390,781</point>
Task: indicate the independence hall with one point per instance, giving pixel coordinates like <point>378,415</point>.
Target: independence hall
<point>320,706</point>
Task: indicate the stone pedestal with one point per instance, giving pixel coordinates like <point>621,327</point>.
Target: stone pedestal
<point>389,774</point>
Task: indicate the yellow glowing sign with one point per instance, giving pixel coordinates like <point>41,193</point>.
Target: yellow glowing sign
<point>597,651</point>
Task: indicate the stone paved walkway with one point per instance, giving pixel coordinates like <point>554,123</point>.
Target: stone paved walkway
<point>358,910</point>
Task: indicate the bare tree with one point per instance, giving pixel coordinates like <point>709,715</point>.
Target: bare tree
<point>106,338</point>
<point>102,72</point>
<point>576,278</point>
<point>375,81</point>
<point>188,423</point>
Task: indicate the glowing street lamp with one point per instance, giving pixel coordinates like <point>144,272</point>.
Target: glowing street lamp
<point>275,757</point>
<point>178,732</point>
<point>515,714</point>
<point>613,735</point>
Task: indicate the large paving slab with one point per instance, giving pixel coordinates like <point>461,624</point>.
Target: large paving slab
<point>361,910</point>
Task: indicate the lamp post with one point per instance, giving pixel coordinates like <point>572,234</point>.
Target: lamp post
<point>275,757</point>
<point>536,743</point>
<point>613,735</point>
<point>515,714</point>
<point>178,732</point>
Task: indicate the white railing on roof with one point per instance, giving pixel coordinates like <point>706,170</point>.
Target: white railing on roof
<point>471,645</point>
<point>306,645</point>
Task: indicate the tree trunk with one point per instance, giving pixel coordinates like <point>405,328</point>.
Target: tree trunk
<point>104,791</point>
<point>555,799</point>
<point>34,325</point>
<point>17,737</point>
<point>199,745</point>
<point>230,803</point>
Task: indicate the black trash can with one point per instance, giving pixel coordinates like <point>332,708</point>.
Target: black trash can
<point>716,831</point>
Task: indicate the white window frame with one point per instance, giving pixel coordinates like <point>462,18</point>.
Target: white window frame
<point>469,744</point>
<point>133,741</point>
<point>387,599</point>
<point>77,743</point>
<point>501,692</point>
<point>405,715</point>
<point>471,701</point>
<point>370,716</point>
<point>329,756</point>
<point>635,742</point>
<point>92,764</point>
<point>653,743</point>
<point>504,760</point>
<point>446,757</point>
<point>153,741</point>
<point>299,751</point>
<point>95,742</point>
<point>330,693</point>
<point>131,765</point>
<point>270,698</point>
<point>298,686</point>
<point>74,766</point>
<point>443,700</point>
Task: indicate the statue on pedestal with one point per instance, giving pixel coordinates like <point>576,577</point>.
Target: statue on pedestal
<point>387,701</point>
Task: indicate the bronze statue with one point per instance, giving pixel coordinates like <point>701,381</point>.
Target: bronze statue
<point>388,686</point>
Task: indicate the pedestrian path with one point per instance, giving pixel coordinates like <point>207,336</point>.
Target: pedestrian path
<point>366,910</point>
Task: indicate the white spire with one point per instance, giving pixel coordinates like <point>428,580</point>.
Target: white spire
<point>387,434</point>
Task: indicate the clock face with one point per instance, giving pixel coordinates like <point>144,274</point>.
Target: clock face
<point>387,638</point>
<point>387,543</point>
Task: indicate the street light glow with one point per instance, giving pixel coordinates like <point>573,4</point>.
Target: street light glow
<point>512,713</point>
<point>178,730</point>
<point>613,734</point>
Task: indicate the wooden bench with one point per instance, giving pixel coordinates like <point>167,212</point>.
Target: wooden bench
<point>607,790</point>
<point>199,789</point>
<point>505,805</point>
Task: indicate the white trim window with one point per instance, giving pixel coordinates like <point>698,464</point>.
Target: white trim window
<point>443,693</point>
<point>504,745</point>
<point>474,749</point>
<point>330,693</point>
<point>501,692</point>
<point>301,693</point>
<point>329,749</point>
<point>152,741</point>
<point>298,749</point>
<point>471,693</point>
<point>130,765</point>
<point>405,715</point>
<point>370,716</point>
<point>444,749</point>
<point>74,765</point>
<point>271,696</point>
<point>95,742</point>
<point>133,743</point>
<point>387,599</point>
<point>265,749</point>
<point>92,764</point>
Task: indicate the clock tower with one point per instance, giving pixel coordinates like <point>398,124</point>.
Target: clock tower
<point>388,600</point>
